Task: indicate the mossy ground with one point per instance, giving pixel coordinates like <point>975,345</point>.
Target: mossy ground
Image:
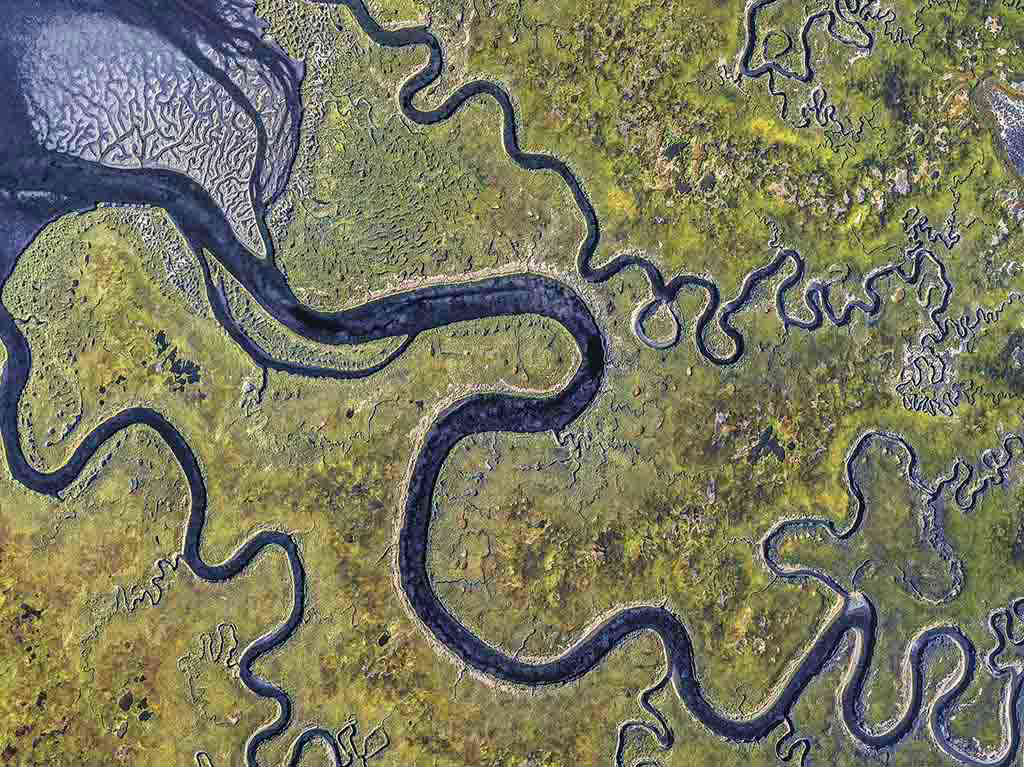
<point>651,496</point>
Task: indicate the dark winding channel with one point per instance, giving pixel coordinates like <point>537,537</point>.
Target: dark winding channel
<point>38,186</point>
<point>852,12</point>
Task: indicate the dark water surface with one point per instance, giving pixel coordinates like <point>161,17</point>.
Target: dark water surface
<point>38,184</point>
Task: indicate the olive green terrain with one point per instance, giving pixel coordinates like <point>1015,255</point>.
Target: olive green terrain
<point>113,654</point>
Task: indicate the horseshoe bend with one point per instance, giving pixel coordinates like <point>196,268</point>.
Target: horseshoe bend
<point>504,384</point>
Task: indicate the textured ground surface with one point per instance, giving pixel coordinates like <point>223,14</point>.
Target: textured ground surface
<point>112,652</point>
